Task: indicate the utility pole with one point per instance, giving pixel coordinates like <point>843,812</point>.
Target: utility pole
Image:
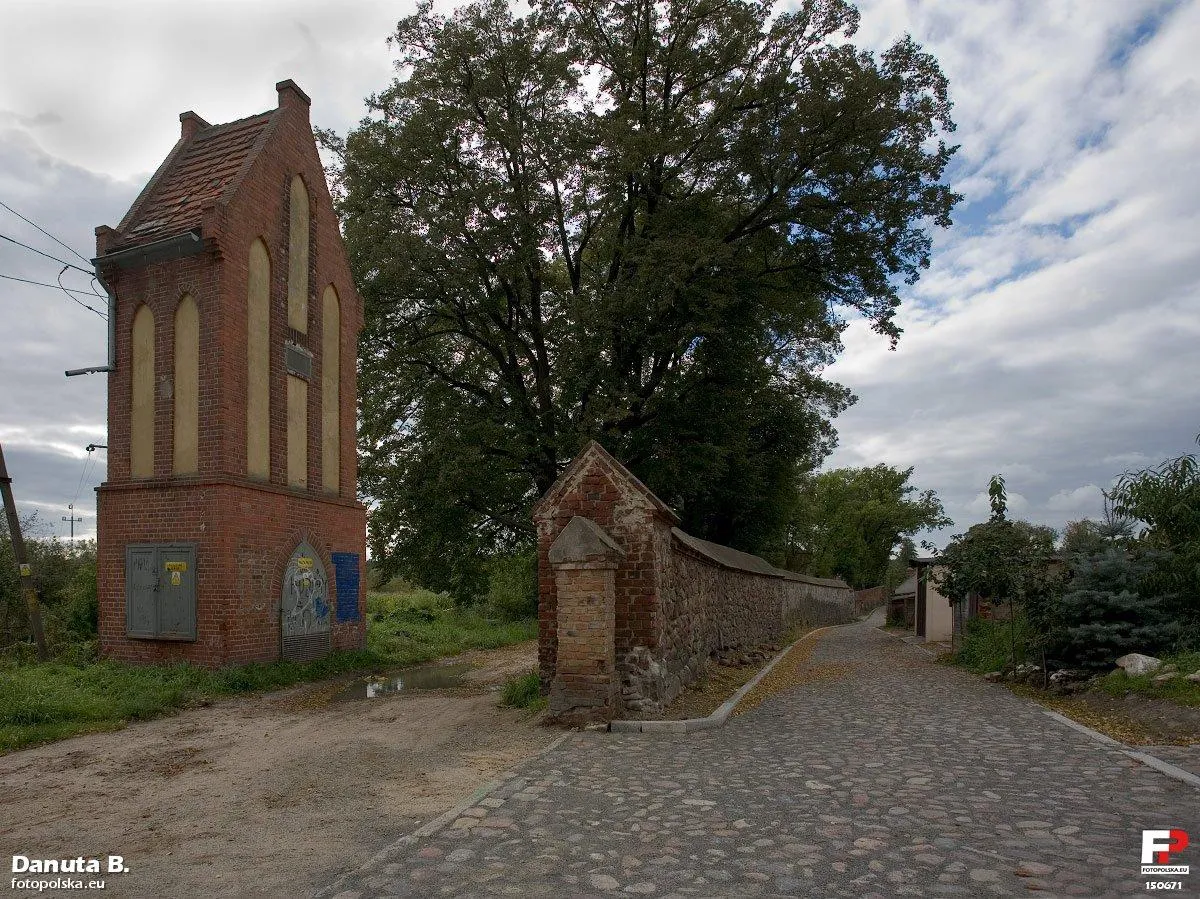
<point>71,518</point>
<point>23,566</point>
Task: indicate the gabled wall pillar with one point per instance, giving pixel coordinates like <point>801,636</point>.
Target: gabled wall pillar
<point>585,686</point>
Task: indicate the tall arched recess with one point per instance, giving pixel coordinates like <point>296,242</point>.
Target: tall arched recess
<point>187,387</point>
<point>141,411</point>
<point>298,256</point>
<point>331,390</point>
<point>258,363</point>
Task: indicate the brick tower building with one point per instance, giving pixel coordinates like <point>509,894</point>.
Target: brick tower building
<point>229,526</point>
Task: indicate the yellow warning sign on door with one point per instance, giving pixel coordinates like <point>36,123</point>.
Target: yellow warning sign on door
<point>176,578</point>
<point>176,567</point>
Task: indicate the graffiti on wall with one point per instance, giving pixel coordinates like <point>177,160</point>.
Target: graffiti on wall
<point>305,594</point>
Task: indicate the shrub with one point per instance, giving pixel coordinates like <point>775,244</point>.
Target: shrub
<point>987,644</point>
<point>1110,609</point>
<point>512,584</point>
<point>523,692</point>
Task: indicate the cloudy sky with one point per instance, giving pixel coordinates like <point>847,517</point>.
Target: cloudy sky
<point>1056,337</point>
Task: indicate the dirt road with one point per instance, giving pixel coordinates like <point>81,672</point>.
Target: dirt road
<point>264,796</point>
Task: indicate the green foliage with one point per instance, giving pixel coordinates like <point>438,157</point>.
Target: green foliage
<point>1092,538</point>
<point>988,644</point>
<point>1004,561</point>
<point>64,576</point>
<point>638,223</point>
<point>406,629</point>
<point>523,692</point>
<point>847,522</point>
<point>513,585</point>
<point>897,569</point>
<point>1109,609</point>
<point>1167,498</point>
<point>1001,560</point>
<point>41,702</point>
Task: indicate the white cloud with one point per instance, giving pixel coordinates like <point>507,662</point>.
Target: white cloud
<point>1053,340</point>
<point>1054,337</point>
<point>1086,501</point>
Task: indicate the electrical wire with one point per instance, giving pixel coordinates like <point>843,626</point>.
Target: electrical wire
<point>86,465</point>
<point>44,231</point>
<point>72,299</point>
<point>47,255</point>
<point>69,291</point>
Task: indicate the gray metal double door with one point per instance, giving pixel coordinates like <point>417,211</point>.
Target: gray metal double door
<point>160,591</point>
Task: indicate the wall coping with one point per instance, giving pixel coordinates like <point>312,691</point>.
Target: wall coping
<point>582,540</point>
<point>736,560</point>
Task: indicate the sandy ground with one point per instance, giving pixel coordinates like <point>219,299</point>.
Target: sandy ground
<point>271,795</point>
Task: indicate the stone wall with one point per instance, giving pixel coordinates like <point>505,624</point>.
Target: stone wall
<point>870,598</point>
<point>676,599</point>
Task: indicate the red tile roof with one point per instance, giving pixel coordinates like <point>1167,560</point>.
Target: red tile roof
<point>196,174</point>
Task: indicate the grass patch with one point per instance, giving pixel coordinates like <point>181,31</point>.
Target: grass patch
<point>410,628</point>
<point>44,702</point>
<point>523,692</point>
<point>987,645</point>
<point>1178,690</point>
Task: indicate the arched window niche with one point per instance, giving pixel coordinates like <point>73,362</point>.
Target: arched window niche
<point>331,398</point>
<point>187,388</point>
<point>258,361</point>
<point>141,407</point>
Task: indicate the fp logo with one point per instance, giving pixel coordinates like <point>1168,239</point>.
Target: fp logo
<point>1159,845</point>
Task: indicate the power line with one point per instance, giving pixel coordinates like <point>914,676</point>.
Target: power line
<point>68,291</point>
<point>86,465</point>
<point>47,255</point>
<point>72,299</point>
<point>44,231</point>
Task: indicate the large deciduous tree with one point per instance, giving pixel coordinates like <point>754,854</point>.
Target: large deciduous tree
<point>1167,498</point>
<point>643,222</point>
<point>847,522</point>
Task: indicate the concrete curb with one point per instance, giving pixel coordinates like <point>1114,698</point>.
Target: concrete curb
<point>1151,761</point>
<point>432,827</point>
<point>717,718</point>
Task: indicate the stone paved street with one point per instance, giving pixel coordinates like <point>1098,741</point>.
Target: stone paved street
<point>882,774</point>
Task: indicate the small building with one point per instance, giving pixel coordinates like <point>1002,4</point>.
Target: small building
<point>229,525</point>
<point>933,617</point>
<point>902,605</point>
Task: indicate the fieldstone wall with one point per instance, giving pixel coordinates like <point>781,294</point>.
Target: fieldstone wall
<point>870,598</point>
<point>676,600</point>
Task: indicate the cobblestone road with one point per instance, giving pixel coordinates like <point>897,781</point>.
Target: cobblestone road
<point>883,774</point>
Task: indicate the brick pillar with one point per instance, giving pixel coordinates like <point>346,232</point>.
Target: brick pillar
<point>585,687</point>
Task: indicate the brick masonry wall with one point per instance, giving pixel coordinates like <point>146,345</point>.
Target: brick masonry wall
<point>585,683</point>
<point>870,598</point>
<point>601,492</point>
<point>674,606</point>
<point>244,529</point>
<point>244,537</point>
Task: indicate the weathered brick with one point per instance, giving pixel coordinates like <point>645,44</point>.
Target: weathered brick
<point>244,529</point>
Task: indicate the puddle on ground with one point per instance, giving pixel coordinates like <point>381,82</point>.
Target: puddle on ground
<point>422,677</point>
